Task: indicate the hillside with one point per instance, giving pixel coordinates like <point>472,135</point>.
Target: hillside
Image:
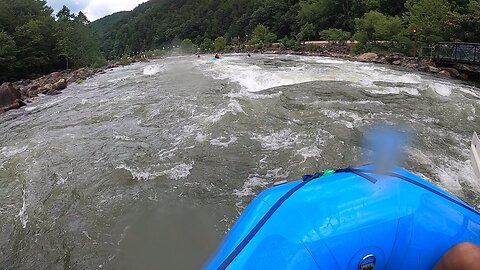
<point>158,23</point>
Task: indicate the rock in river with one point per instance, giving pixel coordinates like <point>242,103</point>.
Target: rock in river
<point>10,97</point>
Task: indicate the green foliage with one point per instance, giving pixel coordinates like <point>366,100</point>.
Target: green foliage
<point>465,26</point>
<point>307,32</point>
<point>155,24</point>
<point>220,43</point>
<point>262,37</point>
<point>335,35</point>
<point>36,46</point>
<point>100,62</point>
<point>176,42</point>
<point>76,44</point>
<point>429,18</point>
<point>375,26</point>
<point>8,50</point>
<point>32,42</point>
<point>187,46</point>
<point>207,45</point>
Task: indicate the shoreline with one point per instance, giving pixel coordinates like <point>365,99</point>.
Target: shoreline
<point>17,94</point>
<point>20,93</point>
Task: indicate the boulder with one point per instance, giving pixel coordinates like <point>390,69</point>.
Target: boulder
<point>453,72</point>
<point>464,76</point>
<point>60,85</point>
<point>53,92</point>
<point>394,57</point>
<point>433,69</point>
<point>444,73</point>
<point>55,75</point>
<point>10,97</point>
<point>397,62</point>
<point>367,57</point>
<point>412,65</point>
<point>71,79</point>
<point>47,87</point>
<point>381,60</point>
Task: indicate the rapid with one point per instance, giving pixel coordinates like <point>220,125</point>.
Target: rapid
<point>148,165</point>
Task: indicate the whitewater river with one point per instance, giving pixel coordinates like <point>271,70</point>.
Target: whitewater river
<point>147,166</point>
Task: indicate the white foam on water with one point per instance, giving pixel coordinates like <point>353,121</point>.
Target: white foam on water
<point>277,174</point>
<point>153,69</point>
<point>349,103</point>
<point>353,118</point>
<point>201,138</point>
<point>253,78</point>
<point>167,153</point>
<point>309,152</point>
<point>252,183</point>
<point>23,215</point>
<point>122,78</point>
<point>471,117</point>
<point>123,138</point>
<point>30,108</point>
<point>282,139</point>
<point>441,89</point>
<point>392,90</point>
<point>178,172</point>
<point>470,91</point>
<point>233,107</point>
<point>9,151</point>
<point>253,95</point>
<point>221,141</point>
<point>137,173</point>
<point>326,60</point>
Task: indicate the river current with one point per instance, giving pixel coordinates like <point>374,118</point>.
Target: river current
<point>148,165</point>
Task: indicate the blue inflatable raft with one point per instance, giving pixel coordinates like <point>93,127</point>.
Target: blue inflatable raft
<point>348,219</point>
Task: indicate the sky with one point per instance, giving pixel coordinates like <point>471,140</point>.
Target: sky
<point>95,9</point>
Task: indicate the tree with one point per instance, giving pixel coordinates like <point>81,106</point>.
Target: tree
<point>76,45</point>
<point>261,36</point>
<point>335,35</point>
<point>64,14</point>
<point>307,32</point>
<point>429,18</point>
<point>8,50</point>
<point>220,44</point>
<point>466,26</point>
<point>36,43</point>
<point>375,26</point>
<point>207,45</point>
<point>81,18</point>
<point>187,46</point>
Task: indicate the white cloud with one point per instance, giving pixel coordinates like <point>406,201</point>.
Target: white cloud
<point>95,9</point>
<point>100,8</point>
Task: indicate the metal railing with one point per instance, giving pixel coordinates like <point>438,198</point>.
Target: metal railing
<point>455,52</point>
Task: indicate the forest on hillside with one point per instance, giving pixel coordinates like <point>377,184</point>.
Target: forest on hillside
<point>35,41</point>
<point>163,23</point>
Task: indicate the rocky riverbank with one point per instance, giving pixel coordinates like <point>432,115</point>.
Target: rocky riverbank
<point>17,94</point>
<point>460,71</point>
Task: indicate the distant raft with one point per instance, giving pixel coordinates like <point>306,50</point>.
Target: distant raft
<point>349,219</point>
